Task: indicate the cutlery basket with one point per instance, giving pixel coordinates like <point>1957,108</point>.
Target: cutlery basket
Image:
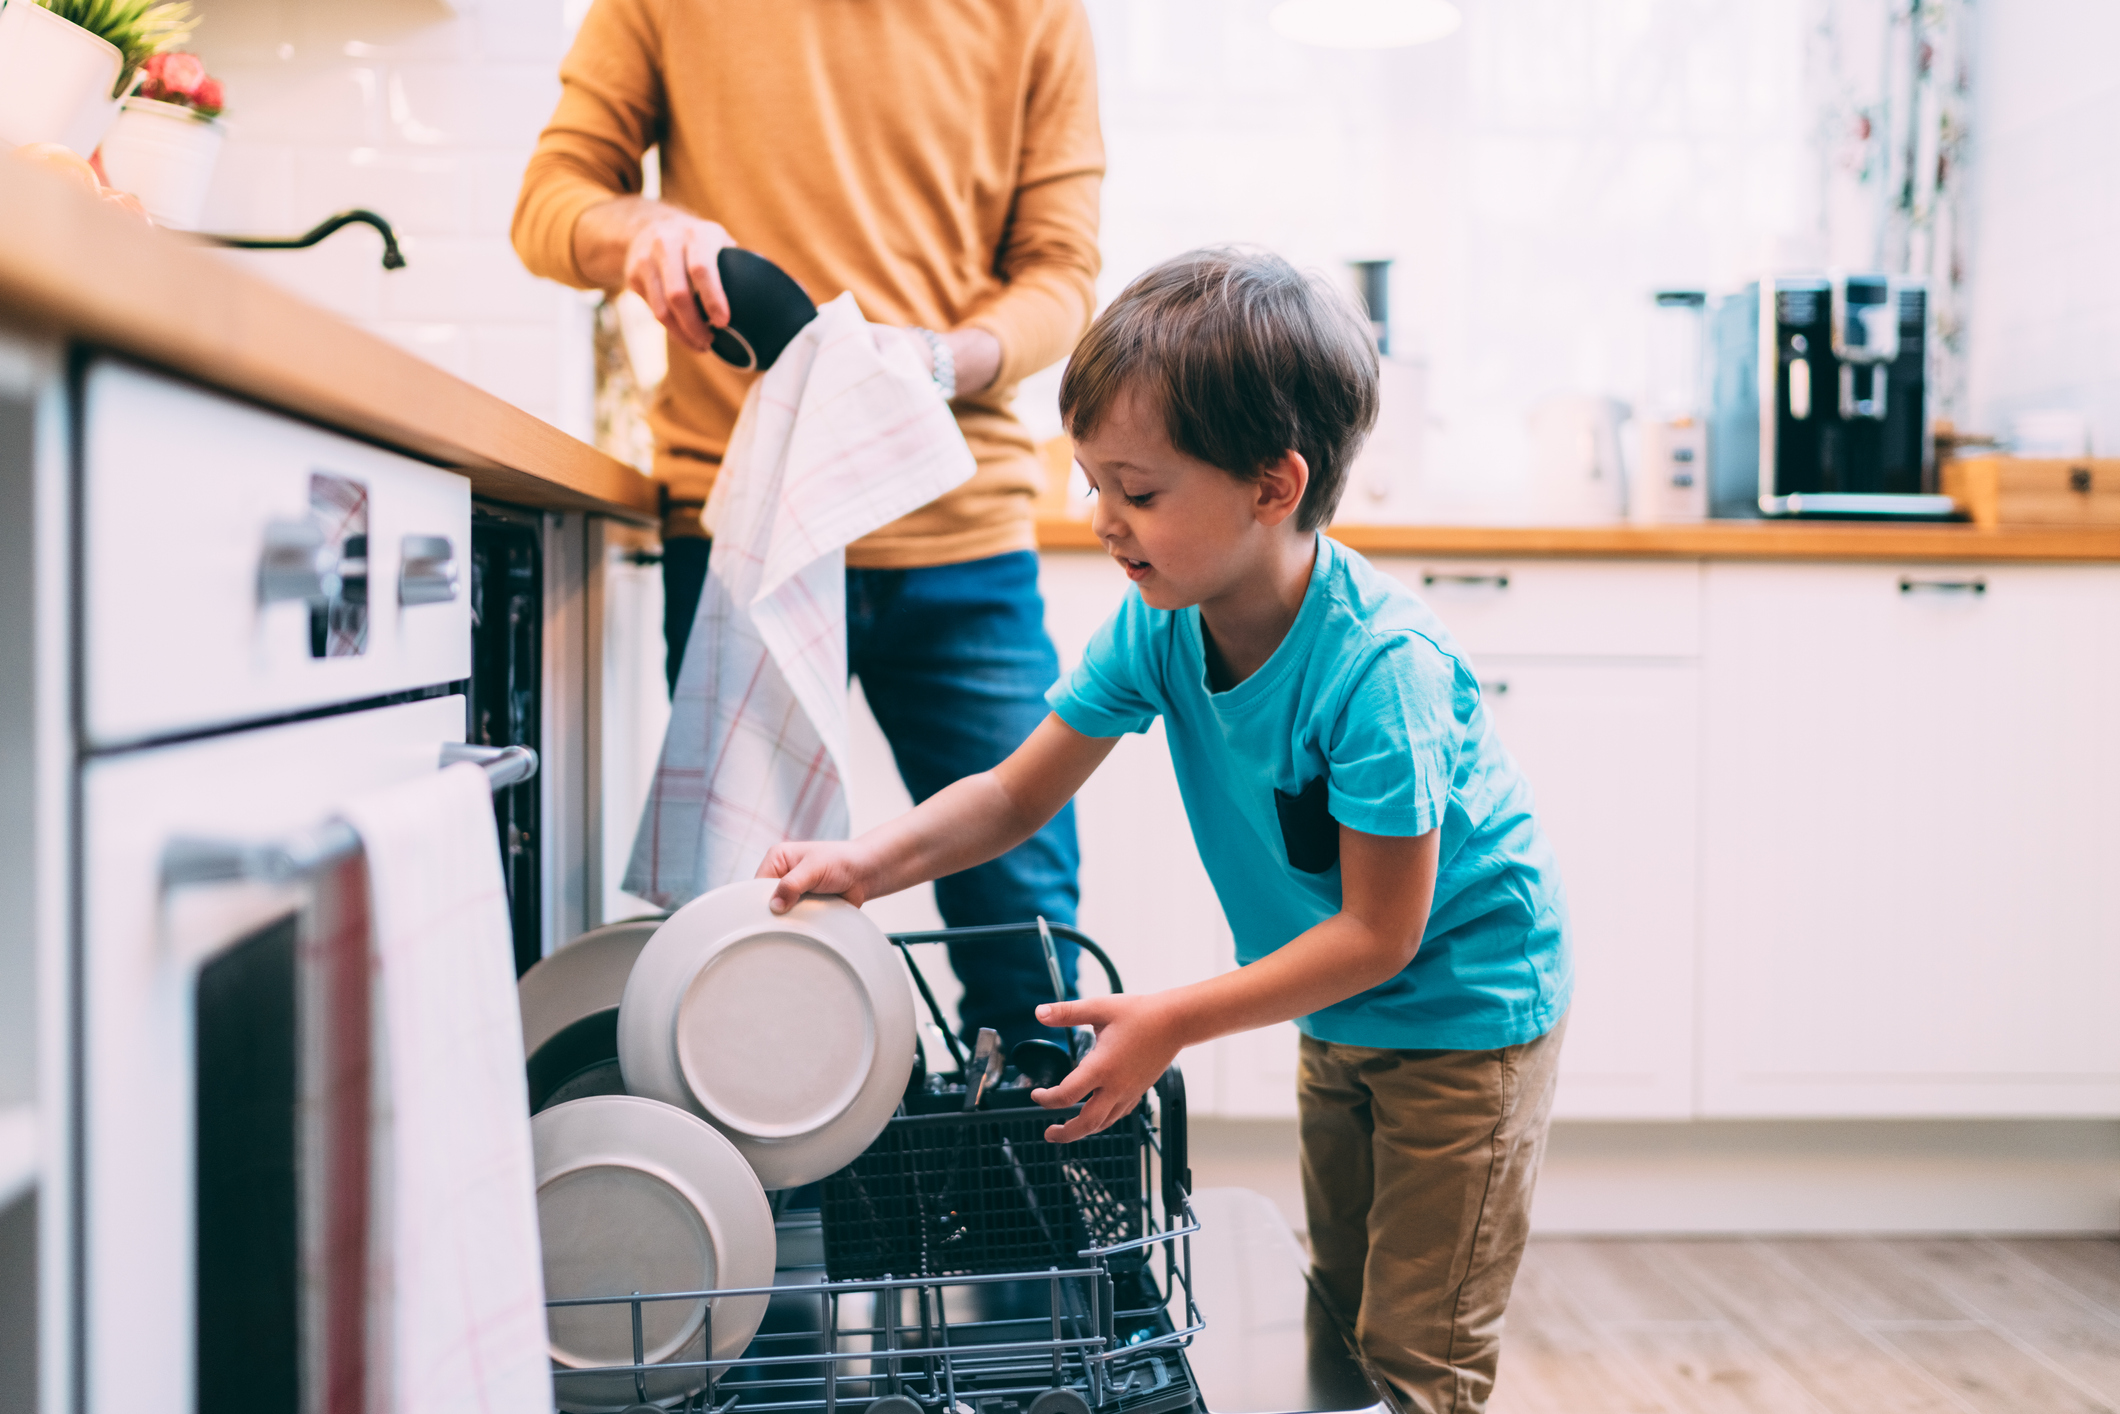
<point>946,1191</point>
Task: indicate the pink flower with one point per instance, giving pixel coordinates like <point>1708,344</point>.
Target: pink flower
<point>177,75</point>
<point>208,99</point>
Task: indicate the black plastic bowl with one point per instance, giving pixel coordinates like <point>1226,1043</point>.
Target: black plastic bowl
<point>767,309</point>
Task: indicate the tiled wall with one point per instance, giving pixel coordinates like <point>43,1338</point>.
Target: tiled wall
<point>2045,331</point>
<point>425,112</point>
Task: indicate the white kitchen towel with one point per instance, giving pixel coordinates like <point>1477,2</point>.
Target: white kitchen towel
<point>456,1285</point>
<point>839,438</point>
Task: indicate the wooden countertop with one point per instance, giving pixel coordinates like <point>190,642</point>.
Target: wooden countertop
<point>77,271</point>
<point>1710,540</point>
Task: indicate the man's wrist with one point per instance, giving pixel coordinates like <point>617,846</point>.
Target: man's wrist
<point>942,361</point>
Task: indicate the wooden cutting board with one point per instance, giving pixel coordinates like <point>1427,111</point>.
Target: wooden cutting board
<point>1998,490</point>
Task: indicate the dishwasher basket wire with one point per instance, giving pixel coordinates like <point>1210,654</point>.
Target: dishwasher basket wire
<point>963,1265</point>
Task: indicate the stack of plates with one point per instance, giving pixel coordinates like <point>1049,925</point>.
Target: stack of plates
<point>678,1069</point>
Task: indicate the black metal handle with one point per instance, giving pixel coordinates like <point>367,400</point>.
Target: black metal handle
<point>1429,579</point>
<point>393,258</point>
<point>1909,585</point>
<point>1498,688</point>
<point>1177,1173</point>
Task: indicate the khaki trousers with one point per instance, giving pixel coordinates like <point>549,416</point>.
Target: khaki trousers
<point>1418,1168</point>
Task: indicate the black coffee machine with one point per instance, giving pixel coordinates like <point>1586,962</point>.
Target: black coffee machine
<point>1817,402</point>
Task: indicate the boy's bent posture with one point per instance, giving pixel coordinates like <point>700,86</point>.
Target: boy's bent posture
<point>1372,844</point>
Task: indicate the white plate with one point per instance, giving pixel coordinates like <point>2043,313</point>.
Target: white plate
<point>578,980</point>
<point>791,1033</point>
<point>634,1195</point>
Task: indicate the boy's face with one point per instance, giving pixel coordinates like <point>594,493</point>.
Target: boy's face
<point>1185,531</point>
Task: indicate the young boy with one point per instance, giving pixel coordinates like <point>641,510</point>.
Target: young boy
<point>1371,842</point>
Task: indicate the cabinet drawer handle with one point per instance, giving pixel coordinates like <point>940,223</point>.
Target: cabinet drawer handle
<point>1430,579</point>
<point>1941,586</point>
<point>1497,688</point>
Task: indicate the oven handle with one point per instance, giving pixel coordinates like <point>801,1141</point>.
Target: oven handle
<point>196,860</point>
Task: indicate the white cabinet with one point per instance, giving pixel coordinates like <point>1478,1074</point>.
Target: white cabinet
<point>1612,753</point>
<point>1912,800</point>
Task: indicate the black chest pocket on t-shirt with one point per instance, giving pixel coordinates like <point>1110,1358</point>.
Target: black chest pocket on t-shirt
<point>1308,832</point>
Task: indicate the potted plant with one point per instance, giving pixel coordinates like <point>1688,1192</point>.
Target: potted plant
<point>64,64</point>
<point>163,145</point>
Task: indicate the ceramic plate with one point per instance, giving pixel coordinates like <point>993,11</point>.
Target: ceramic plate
<point>635,1195</point>
<point>792,1034</point>
<point>570,1014</point>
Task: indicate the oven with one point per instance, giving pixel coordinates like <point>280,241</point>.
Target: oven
<point>271,619</point>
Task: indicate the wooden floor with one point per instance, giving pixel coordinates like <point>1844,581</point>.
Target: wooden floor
<point>1856,1326</point>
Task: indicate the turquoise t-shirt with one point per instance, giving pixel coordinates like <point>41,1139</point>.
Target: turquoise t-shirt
<point>1367,715</point>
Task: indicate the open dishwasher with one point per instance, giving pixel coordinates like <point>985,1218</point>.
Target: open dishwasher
<point>962,1263</point>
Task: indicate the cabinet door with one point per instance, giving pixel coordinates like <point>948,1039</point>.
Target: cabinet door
<point>1912,797</point>
<point>1612,754</point>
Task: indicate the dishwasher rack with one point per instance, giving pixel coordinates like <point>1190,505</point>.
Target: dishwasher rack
<point>1099,1332</point>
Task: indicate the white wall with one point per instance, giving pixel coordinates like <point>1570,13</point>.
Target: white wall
<point>1536,177</point>
<point>2045,330</point>
<point>425,112</point>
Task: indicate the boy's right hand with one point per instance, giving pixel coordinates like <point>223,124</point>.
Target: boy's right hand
<point>816,867</point>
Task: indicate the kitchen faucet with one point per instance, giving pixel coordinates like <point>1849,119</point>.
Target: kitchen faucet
<point>393,258</point>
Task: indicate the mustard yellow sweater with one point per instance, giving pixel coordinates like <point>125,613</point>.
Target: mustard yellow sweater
<point>939,158</point>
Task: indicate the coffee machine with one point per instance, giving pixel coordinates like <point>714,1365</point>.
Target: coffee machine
<point>1818,401</point>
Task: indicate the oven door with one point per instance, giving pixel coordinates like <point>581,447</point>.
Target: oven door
<point>223,1115</point>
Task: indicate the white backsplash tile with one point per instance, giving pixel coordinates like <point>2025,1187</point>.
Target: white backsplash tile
<point>426,113</point>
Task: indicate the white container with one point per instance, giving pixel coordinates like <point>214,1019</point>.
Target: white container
<point>163,153</point>
<point>55,80</point>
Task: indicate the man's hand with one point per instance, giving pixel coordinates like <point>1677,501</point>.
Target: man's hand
<point>818,867</point>
<point>670,264</point>
<point>664,255</point>
<point>1138,1036</point>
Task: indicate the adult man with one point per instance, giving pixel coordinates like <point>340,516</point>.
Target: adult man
<point>941,159</point>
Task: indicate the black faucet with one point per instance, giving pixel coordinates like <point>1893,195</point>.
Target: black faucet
<point>393,258</point>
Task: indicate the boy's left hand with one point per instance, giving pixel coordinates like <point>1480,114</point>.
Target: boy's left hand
<point>1137,1039</point>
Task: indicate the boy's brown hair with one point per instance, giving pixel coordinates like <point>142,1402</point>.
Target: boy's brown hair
<point>1249,358</point>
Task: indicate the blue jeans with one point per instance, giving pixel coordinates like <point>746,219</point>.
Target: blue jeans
<point>954,661</point>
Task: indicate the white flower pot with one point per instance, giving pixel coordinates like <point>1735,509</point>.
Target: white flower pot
<point>55,79</point>
<point>163,153</point>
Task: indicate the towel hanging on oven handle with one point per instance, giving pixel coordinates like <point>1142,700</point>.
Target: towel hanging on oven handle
<point>195,860</point>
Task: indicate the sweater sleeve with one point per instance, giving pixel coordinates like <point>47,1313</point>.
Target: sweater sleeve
<point>1048,257</point>
<point>611,110</point>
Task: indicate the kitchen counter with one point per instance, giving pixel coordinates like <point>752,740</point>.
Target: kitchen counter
<point>1913,542</point>
<point>87,275</point>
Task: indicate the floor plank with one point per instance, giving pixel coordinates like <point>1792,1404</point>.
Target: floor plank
<point>2088,1266</point>
<point>1827,1326</point>
<point>1554,1362</point>
<point>1840,1366</point>
<point>1714,1369</point>
<point>1621,1282</point>
<point>1992,1374</point>
<point>1861,1279</point>
<point>2020,1299</point>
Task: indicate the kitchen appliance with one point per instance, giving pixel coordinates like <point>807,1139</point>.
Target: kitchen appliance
<point>1819,399</point>
<point>1385,480</point>
<point>1670,475</point>
<point>272,620</point>
<point>1578,472</point>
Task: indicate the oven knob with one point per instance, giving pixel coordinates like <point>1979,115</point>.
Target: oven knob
<point>298,563</point>
<point>428,574</point>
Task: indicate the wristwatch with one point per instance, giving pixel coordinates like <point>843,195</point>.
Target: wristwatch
<point>945,362</point>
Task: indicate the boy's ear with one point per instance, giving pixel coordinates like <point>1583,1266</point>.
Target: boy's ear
<point>1281,485</point>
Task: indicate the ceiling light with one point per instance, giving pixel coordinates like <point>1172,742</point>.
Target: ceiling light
<point>1365,24</point>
